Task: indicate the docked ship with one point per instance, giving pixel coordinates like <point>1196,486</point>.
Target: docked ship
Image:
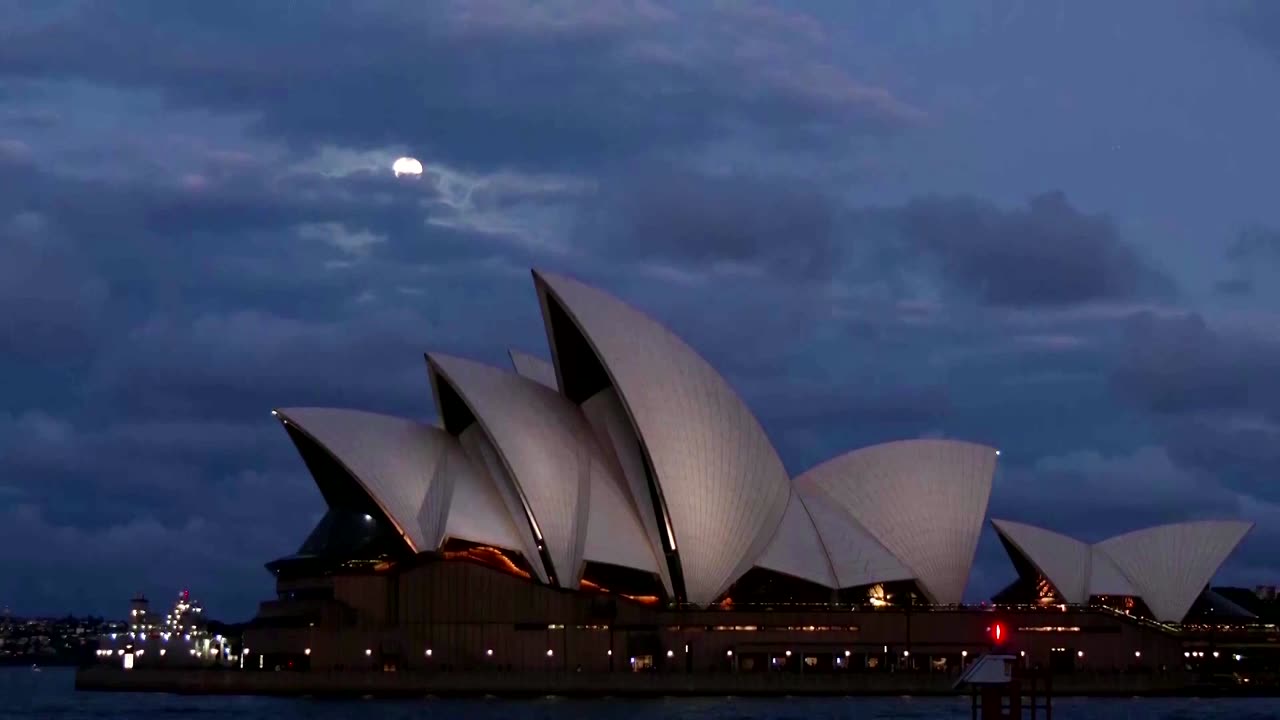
<point>180,638</point>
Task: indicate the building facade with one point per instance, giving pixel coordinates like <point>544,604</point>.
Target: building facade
<point>619,508</point>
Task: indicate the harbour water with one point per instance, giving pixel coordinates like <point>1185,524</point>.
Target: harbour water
<point>48,695</point>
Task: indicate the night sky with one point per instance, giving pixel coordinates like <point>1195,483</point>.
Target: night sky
<point>1052,227</point>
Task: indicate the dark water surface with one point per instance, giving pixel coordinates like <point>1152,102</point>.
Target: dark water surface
<point>49,695</point>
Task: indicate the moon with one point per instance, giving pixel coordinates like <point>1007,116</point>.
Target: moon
<point>406,166</point>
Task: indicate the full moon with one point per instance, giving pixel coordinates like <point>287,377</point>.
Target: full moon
<point>406,166</point>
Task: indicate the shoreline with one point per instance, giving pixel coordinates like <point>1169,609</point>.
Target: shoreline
<point>621,685</point>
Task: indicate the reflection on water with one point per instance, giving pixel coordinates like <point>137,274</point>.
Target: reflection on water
<point>48,695</point>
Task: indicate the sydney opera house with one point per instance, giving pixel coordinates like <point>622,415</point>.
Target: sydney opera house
<point>619,508</point>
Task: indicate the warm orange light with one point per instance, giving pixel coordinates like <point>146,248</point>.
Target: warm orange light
<point>490,556</point>
<point>642,599</point>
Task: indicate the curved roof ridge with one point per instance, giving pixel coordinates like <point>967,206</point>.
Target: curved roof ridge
<point>863,560</point>
<point>534,368</point>
<point>1206,522</point>
<point>822,543</point>
<point>477,512</point>
<point>1106,578</point>
<point>791,550</point>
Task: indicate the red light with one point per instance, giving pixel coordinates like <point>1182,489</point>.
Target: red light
<point>997,632</point>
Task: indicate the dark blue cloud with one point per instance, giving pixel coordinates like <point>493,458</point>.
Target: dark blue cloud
<point>1254,259</point>
<point>1050,254</point>
<point>198,225</point>
<point>1259,20</point>
<point>467,82</point>
<point>1215,395</point>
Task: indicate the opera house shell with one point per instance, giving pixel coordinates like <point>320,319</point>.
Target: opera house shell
<point>1166,567</point>
<point>627,465</point>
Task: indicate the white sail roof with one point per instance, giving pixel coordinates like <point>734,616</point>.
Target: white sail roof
<point>796,549</point>
<point>614,533</point>
<point>477,513</point>
<point>1168,566</point>
<point>534,368</point>
<point>489,464</point>
<point>398,462</point>
<point>923,500</point>
<point>856,557</point>
<point>1171,565</point>
<point>724,487</point>
<point>545,446</point>
<point>1064,561</point>
<point>618,439</point>
<point>1107,579</point>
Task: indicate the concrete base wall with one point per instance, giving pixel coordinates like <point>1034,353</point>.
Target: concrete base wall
<point>461,617</point>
